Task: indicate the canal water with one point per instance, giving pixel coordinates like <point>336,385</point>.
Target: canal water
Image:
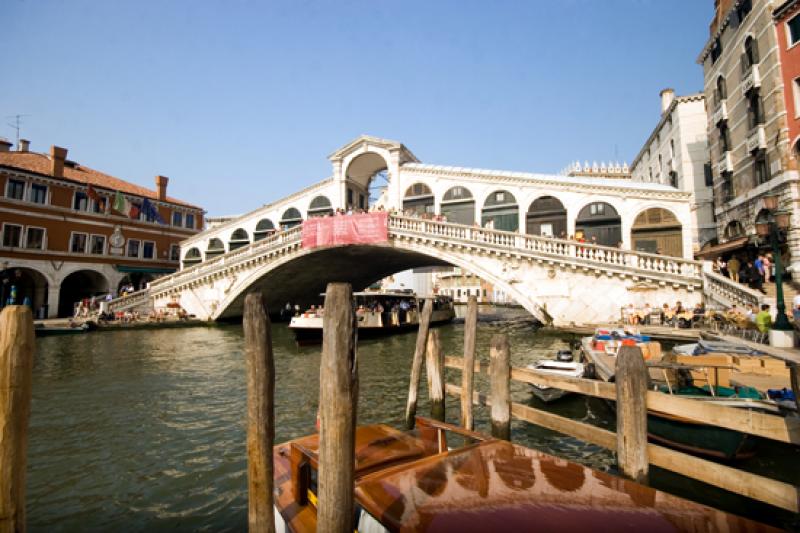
<point>144,430</point>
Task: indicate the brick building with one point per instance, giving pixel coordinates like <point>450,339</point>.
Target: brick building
<point>69,232</point>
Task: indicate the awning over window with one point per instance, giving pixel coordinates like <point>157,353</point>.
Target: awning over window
<point>143,270</point>
<point>719,249</point>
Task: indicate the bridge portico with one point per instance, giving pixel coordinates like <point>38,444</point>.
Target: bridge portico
<point>476,195</point>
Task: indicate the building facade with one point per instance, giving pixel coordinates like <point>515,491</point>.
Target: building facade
<point>748,133</point>
<point>69,232</point>
<point>676,154</point>
<point>787,25</point>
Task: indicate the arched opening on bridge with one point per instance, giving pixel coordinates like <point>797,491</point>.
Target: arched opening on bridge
<point>500,211</point>
<point>24,286</point>
<point>291,218</point>
<point>458,206</point>
<point>239,238</point>
<point>320,206</point>
<point>734,230</point>
<point>192,257</point>
<point>418,200</point>
<point>547,217</point>
<point>138,280</point>
<point>215,248</point>
<point>599,221</point>
<point>361,173</point>
<point>657,230</point>
<point>78,286</point>
<point>264,228</point>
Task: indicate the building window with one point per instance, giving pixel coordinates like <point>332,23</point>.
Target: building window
<point>190,220</point>
<point>743,9</point>
<point>38,193</point>
<point>361,201</point>
<point>174,252</point>
<point>796,96</point>
<point>728,192</point>
<point>755,111</point>
<point>133,248</point>
<point>724,139</point>
<point>794,30</point>
<point>673,179</point>
<point>80,202</point>
<point>34,238</point>
<point>709,175</point>
<point>721,91</point>
<point>597,209</point>
<point>716,50</point>
<point>750,56</point>
<point>177,218</point>
<point>761,170</point>
<point>15,189</point>
<point>148,249</point>
<point>97,205</point>
<point>77,243</point>
<point>97,245</point>
<point>12,235</point>
<point>349,196</point>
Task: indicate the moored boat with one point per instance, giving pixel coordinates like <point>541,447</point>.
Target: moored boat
<point>378,313</point>
<point>440,478</point>
<point>562,365</point>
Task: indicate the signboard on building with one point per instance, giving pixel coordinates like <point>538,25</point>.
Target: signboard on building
<point>367,228</point>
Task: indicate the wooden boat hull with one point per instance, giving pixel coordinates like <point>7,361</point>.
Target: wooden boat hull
<point>314,335</point>
<point>700,439</point>
<point>51,332</point>
<point>548,394</point>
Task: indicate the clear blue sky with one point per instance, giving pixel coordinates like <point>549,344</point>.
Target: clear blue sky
<point>240,102</point>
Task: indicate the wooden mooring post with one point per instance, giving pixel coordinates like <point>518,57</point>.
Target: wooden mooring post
<point>338,397</point>
<point>16,367</point>
<point>434,365</point>
<point>416,363</point>
<point>631,380</point>
<point>500,376</point>
<point>260,413</point>
<point>468,374</point>
<point>794,369</point>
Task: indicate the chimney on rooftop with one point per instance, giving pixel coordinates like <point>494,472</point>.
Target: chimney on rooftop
<point>57,157</point>
<point>5,146</point>
<point>161,187</point>
<point>24,145</point>
<point>667,96</point>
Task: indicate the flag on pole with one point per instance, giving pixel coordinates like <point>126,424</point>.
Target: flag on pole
<point>134,211</point>
<point>119,203</point>
<point>91,193</point>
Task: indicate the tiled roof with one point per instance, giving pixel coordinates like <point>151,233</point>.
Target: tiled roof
<point>40,164</point>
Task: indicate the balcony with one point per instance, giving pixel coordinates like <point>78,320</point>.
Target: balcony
<point>721,112</point>
<point>725,163</point>
<point>751,80</point>
<point>756,139</point>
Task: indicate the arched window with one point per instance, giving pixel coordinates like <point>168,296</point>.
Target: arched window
<point>320,207</point>
<point>547,217</point>
<point>750,56</point>
<point>458,206</point>
<point>291,218</point>
<point>733,230</point>
<point>264,228</point>
<point>215,248</point>
<point>500,211</point>
<point>600,223</point>
<point>418,200</point>
<point>657,230</point>
<point>192,257</point>
<point>239,238</point>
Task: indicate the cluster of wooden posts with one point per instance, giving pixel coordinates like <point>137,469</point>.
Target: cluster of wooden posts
<point>633,400</point>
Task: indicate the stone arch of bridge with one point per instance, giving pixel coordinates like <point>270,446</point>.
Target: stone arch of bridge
<point>302,276</point>
<point>358,171</point>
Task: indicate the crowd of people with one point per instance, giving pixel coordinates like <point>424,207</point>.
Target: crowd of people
<point>752,272</point>
<point>748,317</point>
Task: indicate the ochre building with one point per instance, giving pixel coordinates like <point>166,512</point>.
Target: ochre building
<point>68,232</point>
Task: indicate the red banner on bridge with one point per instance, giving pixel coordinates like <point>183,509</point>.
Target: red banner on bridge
<point>367,228</point>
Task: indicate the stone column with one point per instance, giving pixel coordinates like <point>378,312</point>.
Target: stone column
<point>53,294</point>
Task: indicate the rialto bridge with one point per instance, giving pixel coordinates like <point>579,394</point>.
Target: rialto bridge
<point>507,227</point>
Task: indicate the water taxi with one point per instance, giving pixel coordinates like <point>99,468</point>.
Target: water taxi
<point>378,313</point>
<point>442,478</point>
<point>564,366</point>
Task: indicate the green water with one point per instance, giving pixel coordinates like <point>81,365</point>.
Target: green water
<point>144,430</point>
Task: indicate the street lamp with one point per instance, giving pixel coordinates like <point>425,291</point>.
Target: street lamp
<point>775,221</point>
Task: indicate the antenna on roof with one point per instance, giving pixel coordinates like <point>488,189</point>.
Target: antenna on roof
<point>17,124</point>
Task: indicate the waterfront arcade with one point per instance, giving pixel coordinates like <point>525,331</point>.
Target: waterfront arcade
<point>70,232</point>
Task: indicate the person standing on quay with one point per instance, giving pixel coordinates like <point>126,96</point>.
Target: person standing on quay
<point>733,268</point>
<point>764,319</point>
<point>767,262</point>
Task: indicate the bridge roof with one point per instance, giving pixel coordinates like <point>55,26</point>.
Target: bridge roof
<point>544,179</point>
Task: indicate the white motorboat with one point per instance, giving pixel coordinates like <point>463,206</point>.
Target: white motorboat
<point>562,366</point>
